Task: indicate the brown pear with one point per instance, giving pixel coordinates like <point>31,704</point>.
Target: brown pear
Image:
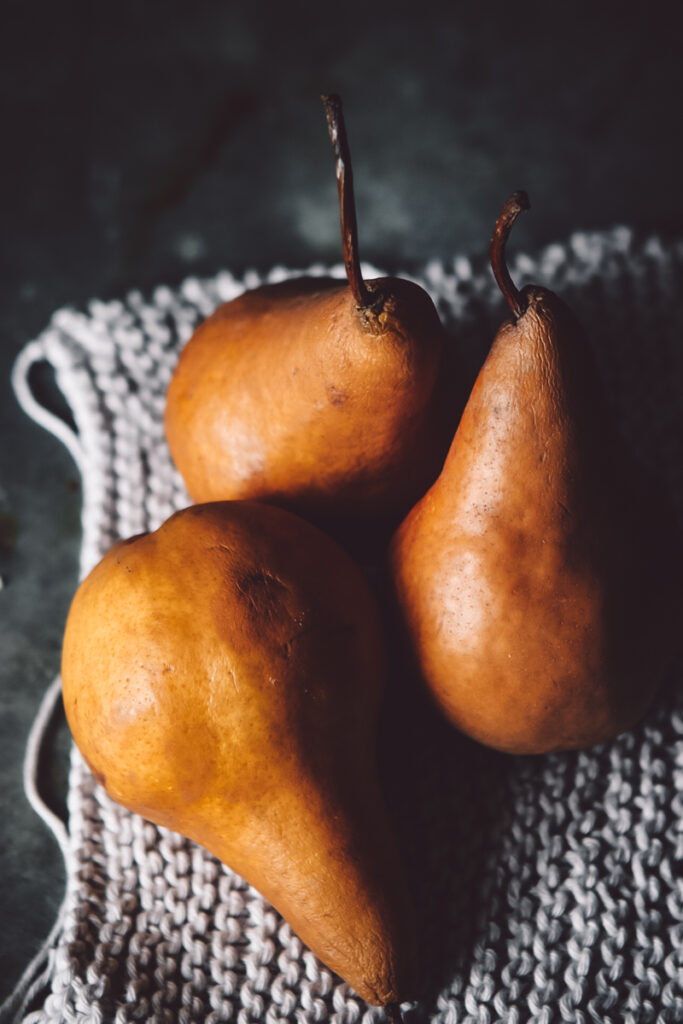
<point>222,677</point>
<point>315,394</point>
<point>537,577</point>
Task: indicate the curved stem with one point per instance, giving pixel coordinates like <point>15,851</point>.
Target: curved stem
<point>393,1012</point>
<point>517,202</point>
<point>347,206</point>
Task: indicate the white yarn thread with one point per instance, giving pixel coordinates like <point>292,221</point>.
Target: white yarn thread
<point>38,970</point>
<point>575,849</point>
<point>31,355</point>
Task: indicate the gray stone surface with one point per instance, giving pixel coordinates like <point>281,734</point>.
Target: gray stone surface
<point>145,142</point>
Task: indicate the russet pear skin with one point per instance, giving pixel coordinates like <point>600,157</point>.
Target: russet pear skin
<point>222,677</point>
<point>536,578</point>
<point>294,395</point>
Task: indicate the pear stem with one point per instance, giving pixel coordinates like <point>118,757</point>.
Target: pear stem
<point>517,202</point>
<point>347,205</point>
<point>393,1012</point>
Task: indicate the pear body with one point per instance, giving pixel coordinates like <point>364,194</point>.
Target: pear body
<point>222,677</point>
<point>293,395</point>
<point>536,576</point>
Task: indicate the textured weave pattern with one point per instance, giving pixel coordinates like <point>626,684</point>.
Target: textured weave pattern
<point>550,887</point>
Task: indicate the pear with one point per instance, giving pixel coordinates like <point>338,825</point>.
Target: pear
<point>537,578</point>
<point>222,677</point>
<point>315,394</point>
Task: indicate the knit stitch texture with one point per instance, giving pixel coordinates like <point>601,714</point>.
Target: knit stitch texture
<point>550,888</point>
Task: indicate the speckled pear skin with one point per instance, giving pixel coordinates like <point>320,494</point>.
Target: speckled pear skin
<point>293,394</point>
<point>222,677</point>
<point>536,578</point>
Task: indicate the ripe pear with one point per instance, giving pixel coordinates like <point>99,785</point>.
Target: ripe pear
<point>315,394</point>
<point>222,677</point>
<point>537,577</point>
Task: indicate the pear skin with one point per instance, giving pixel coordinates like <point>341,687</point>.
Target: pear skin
<point>222,677</point>
<point>536,577</point>
<point>314,394</point>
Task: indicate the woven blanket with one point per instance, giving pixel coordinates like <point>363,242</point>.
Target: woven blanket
<point>549,888</point>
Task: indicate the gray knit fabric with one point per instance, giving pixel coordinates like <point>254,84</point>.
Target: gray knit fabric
<point>550,889</point>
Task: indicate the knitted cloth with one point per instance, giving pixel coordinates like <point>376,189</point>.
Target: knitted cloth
<point>549,887</point>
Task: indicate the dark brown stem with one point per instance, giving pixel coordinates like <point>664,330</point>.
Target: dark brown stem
<point>393,1012</point>
<point>347,206</point>
<point>517,202</point>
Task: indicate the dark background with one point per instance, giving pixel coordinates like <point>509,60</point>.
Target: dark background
<point>146,141</point>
